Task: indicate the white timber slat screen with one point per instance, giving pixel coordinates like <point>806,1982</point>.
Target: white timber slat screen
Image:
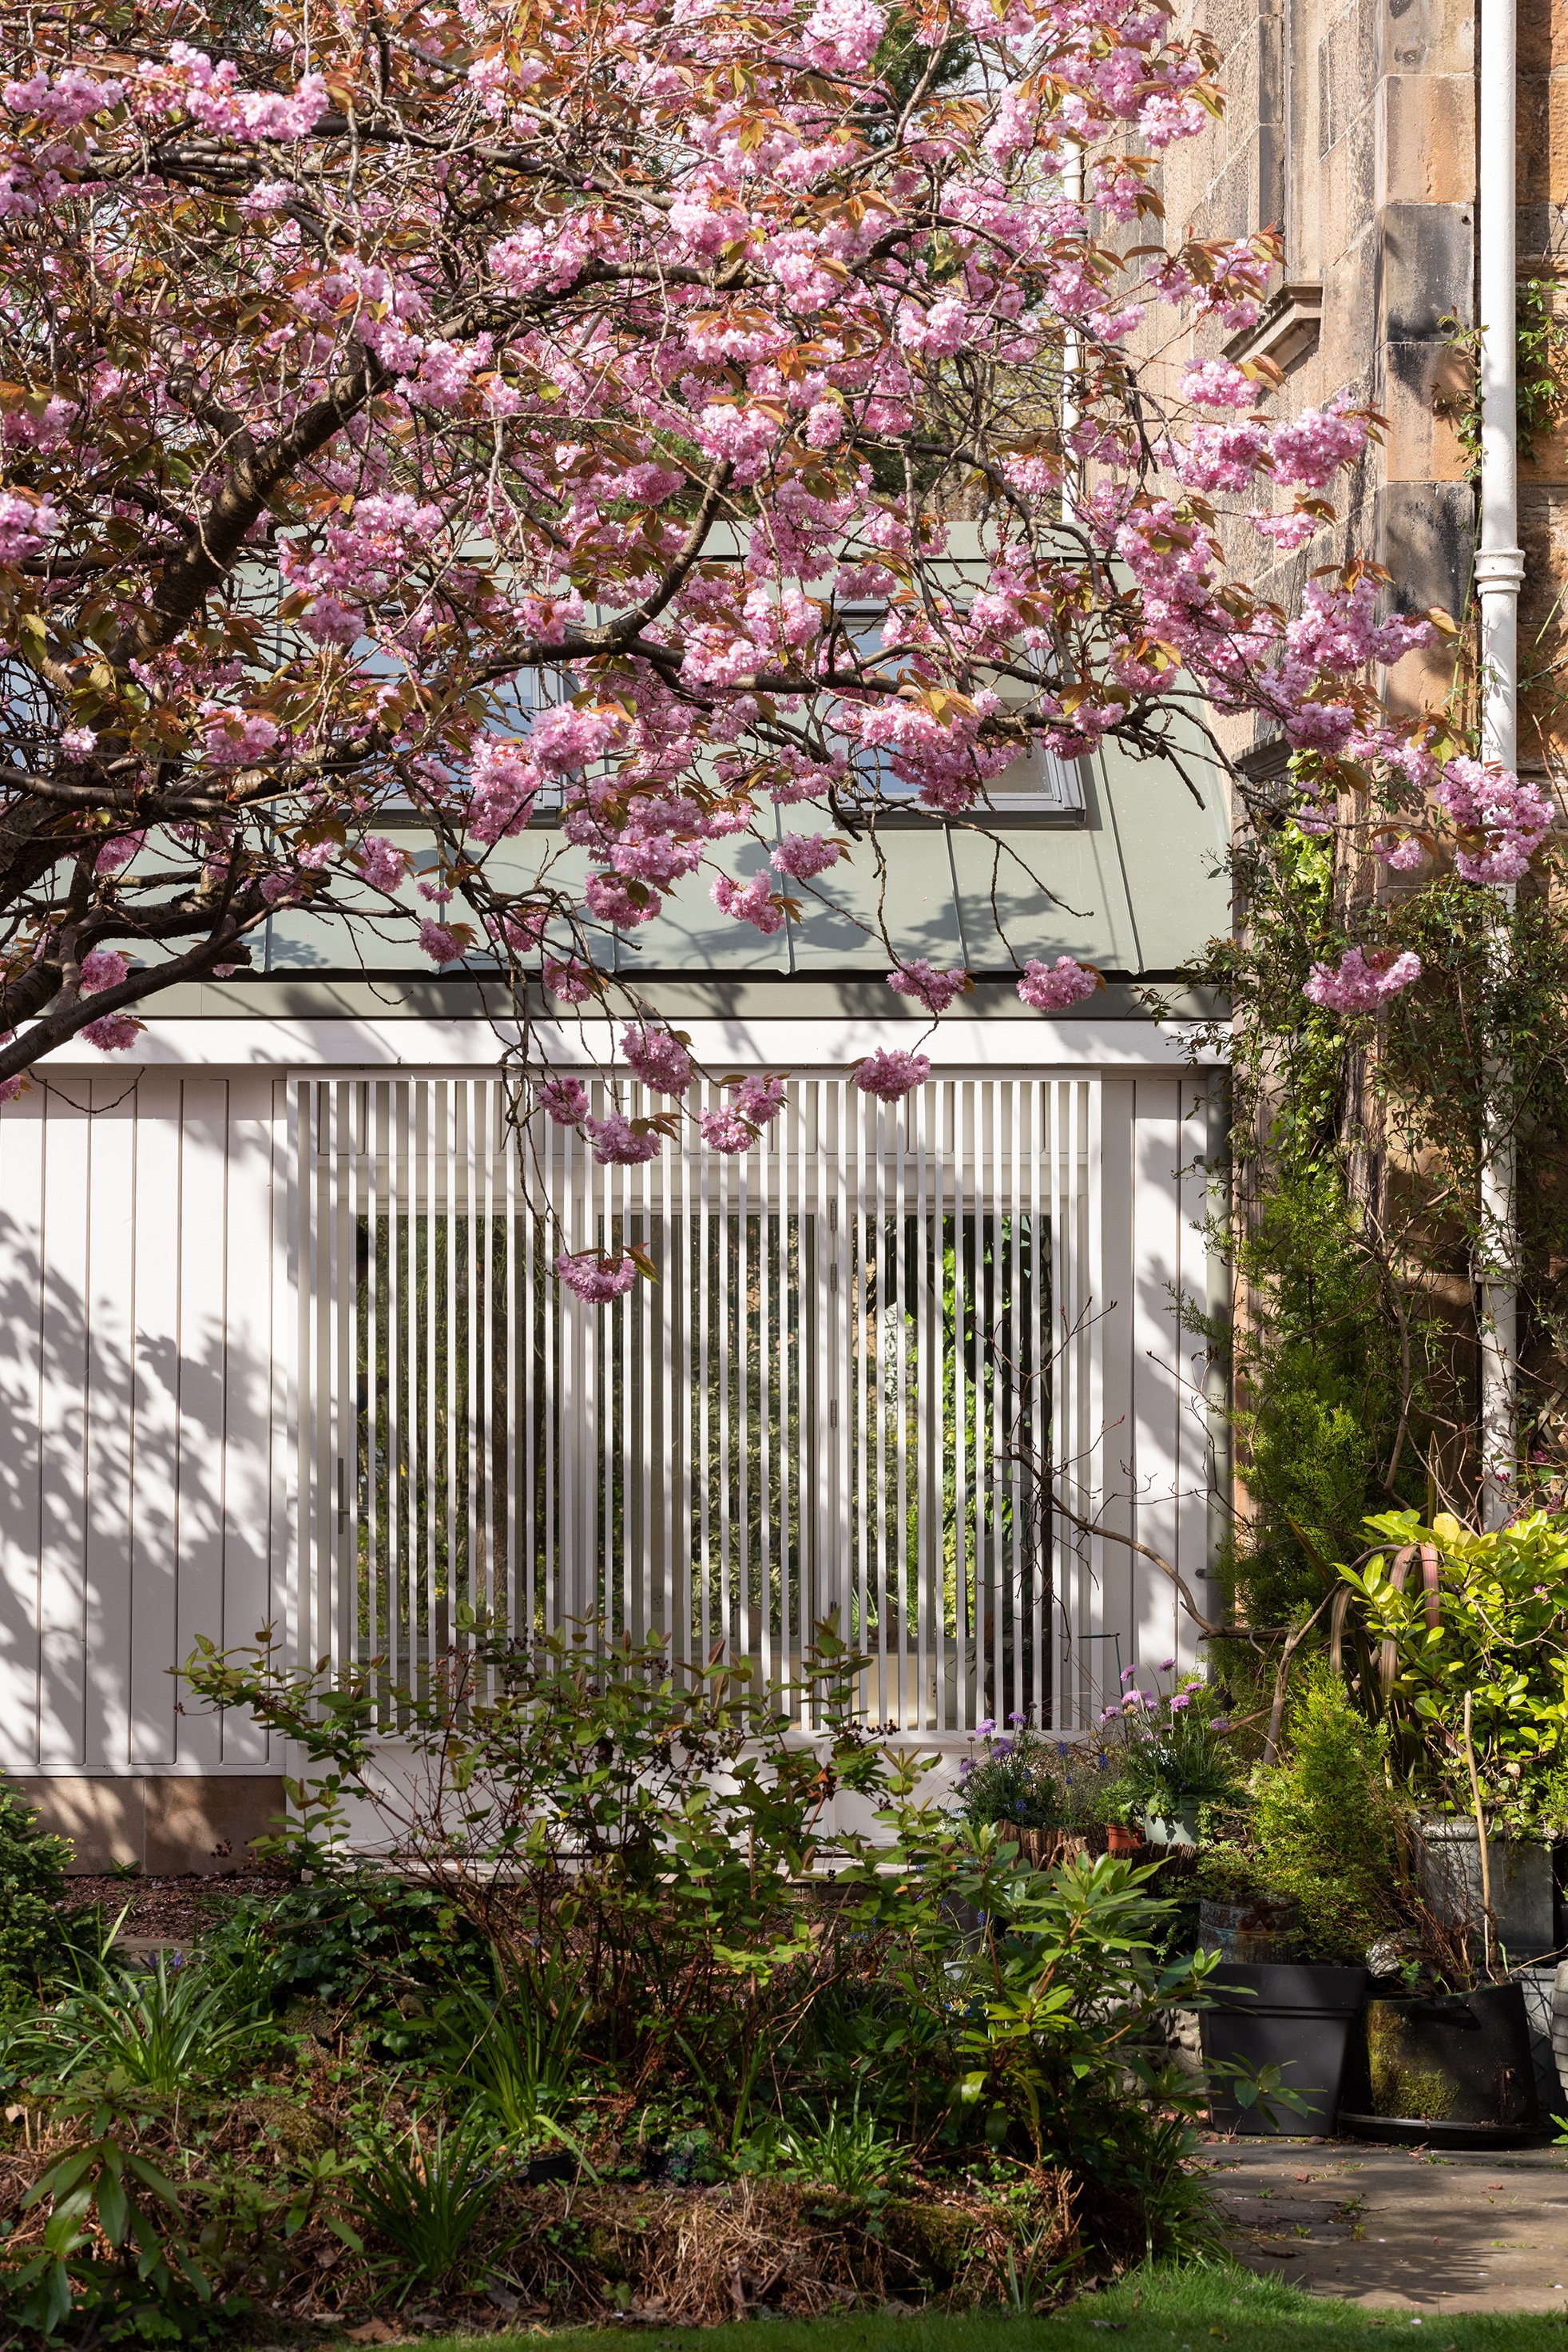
<point>868,1333</point>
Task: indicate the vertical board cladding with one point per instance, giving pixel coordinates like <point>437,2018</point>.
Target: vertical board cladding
<point>144,1412</point>
<point>226,1297</point>
<point>873,1330</point>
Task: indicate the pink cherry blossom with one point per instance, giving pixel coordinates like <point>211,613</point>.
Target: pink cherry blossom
<point>1363,982</point>
<point>103,967</point>
<point>759,1098</point>
<point>802,855</point>
<point>890,1073</point>
<point>1311,449</point>
<point>1052,988</point>
<point>381,864</point>
<point>726,1131</point>
<point>1215,383</point>
<point>595,1278</point>
<point>1510,815</point>
<point>616,1140</point>
<point>753,904</point>
<point>563,1099</point>
<point>114,1033</point>
<point>438,942</point>
<point>468,607</point>
<point>935,990</point>
<point>659,1058</point>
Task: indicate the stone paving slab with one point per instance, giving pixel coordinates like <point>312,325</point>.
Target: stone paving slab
<point>1400,2229</point>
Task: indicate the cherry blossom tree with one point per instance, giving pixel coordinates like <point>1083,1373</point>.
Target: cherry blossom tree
<point>429,412</point>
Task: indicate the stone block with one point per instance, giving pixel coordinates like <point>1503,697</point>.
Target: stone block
<point>1427,139</point>
<point>1426,390</point>
<point>1540,44</point>
<point>1428,265</point>
<point>1425,533</point>
<point>165,1824</point>
<point>1554,184</point>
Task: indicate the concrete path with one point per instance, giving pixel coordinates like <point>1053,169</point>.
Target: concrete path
<point>1400,2229</point>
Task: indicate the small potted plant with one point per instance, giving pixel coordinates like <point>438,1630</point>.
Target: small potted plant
<point>1171,1754</point>
<point>1011,1779</point>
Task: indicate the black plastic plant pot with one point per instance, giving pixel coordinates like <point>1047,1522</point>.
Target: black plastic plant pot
<point>1449,2070</point>
<point>1297,2018</point>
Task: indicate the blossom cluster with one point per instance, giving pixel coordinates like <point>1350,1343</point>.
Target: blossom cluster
<point>460,478</point>
<point>1363,980</point>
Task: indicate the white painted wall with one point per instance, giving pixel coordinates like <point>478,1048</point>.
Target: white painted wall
<point>144,1474</point>
<point>151,1328</point>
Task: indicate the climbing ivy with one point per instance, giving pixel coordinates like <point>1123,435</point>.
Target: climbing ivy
<point>1356,1146</point>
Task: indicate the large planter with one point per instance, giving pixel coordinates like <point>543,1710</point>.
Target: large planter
<point>1520,1872</point>
<point>1293,2017</point>
<point>1259,1929</point>
<point>1450,2070</point>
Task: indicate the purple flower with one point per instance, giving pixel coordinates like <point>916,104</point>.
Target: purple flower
<point>1128,1672</point>
<point>1107,1712</point>
<point>1017,1716</point>
<point>1182,1698</point>
<point>1220,1722</point>
<point>1002,1748</point>
<point>1166,1666</point>
<point>989,1725</point>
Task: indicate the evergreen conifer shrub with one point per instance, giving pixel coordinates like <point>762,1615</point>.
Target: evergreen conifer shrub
<point>32,1886</point>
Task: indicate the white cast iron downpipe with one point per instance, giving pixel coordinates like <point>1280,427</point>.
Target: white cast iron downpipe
<point>1499,569</point>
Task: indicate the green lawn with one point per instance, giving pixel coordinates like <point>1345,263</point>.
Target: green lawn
<point>1162,2311</point>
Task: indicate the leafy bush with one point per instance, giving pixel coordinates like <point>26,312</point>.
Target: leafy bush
<point>1326,1826</point>
<point>423,2192</point>
<point>641,1850</point>
<point>1494,1632</point>
<point>161,2029</point>
<point>33,1937</point>
<point>361,1937</point>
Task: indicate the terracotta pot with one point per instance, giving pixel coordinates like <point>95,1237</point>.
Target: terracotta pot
<point>1122,1841</point>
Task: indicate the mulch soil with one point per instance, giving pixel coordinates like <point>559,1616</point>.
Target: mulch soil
<point>175,1910</point>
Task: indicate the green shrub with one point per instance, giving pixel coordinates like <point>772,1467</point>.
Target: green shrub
<point>1326,1825</point>
<point>33,1937</point>
<point>424,2194</point>
<point>362,1938</point>
<point>158,2030</point>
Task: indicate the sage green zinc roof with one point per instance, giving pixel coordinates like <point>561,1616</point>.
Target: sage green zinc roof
<point>1135,886</point>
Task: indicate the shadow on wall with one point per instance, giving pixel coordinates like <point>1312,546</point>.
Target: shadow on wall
<point>139,1420</point>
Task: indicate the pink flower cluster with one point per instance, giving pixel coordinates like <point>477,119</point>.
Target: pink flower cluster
<point>802,854</point>
<point>1361,981</point>
<point>890,1073</point>
<point>935,990</point>
<point>754,904</point>
<point>622,1142</point>
<point>659,1057</point>
<point>596,1278</point>
<point>1052,988</point>
<point>1507,817</point>
<point>113,1032</point>
<point>563,1099</point>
